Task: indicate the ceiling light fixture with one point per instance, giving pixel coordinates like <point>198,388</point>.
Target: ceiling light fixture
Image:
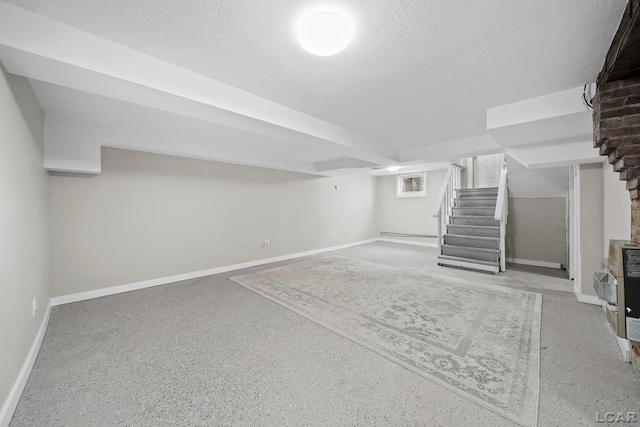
<point>325,32</point>
<point>393,168</point>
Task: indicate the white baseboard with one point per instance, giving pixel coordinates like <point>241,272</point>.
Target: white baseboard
<point>407,242</point>
<point>11,403</point>
<point>545,264</point>
<point>589,299</point>
<point>624,344</point>
<point>625,348</point>
<point>81,296</point>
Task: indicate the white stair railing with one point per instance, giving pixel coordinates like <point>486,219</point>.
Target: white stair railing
<point>444,203</point>
<point>501,213</point>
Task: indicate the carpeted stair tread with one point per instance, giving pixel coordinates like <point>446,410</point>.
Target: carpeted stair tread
<point>492,239</point>
<point>472,249</point>
<point>468,260</point>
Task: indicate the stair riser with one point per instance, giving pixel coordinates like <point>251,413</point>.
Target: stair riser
<point>472,216</point>
<point>469,265</point>
<point>480,232</point>
<point>471,243</point>
<point>474,211</point>
<point>474,203</point>
<point>474,198</point>
<point>476,193</point>
<point>469,253</point>
<point>475,221</point>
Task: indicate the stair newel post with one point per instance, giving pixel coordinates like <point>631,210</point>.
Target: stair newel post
<point>501,213</point>
<point>444,203</point>
<point>447,202</point>
<point>440,232</point>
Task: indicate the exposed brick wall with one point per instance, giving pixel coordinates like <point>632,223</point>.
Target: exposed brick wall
<point>635,355</point>
<point>616,122</point>
<point>635,218</point>
<point>616,131</point>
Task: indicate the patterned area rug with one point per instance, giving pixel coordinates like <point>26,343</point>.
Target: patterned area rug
<point>478,340</point>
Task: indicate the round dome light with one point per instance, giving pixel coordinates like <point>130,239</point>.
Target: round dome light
<point>324,33</point>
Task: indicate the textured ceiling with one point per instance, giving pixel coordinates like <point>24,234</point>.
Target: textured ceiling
<point>416,73</point>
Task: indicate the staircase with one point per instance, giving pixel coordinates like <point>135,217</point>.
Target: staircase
<point>472,238</point>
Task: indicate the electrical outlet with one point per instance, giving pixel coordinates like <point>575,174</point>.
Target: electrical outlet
<point>266,243</point>
<point>35,306</point>
<point>349,232</point>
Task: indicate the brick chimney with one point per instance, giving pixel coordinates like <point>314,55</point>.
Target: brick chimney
<point>616,122</point>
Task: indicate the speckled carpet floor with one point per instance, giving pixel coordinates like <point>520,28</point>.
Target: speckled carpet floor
<point>210,352</point>
<point>481,341</point>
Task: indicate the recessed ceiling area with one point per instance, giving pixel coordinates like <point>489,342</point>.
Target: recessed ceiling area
<point>229,81</point>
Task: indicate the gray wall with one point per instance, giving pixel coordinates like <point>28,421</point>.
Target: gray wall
<point>530,183</point>
<point>24,226</point>
<point>617,208</point>
<point>536,229</point>
<point>591,224</point>
<point>413,215</point>
<point>149,216</point>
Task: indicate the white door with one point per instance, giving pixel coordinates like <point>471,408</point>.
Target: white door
<point>486,170</point>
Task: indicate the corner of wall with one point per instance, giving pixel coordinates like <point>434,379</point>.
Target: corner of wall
<point>25,230</point>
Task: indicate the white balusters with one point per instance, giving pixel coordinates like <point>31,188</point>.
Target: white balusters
<point>445,199</point>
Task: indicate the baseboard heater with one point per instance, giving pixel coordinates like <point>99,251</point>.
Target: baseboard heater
<point>388,233</point>
<point>617,283</point>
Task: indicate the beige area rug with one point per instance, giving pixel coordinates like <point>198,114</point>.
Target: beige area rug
<point>478,340</point>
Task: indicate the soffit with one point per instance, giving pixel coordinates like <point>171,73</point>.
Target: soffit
<point>417,73</point>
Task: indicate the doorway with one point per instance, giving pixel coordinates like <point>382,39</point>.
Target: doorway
<point>486,170</point>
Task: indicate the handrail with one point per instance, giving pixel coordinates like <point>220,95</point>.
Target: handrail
<point>445,198</point>
<point>502,190</point>
<point>443,192</point>
<point>445,186</point>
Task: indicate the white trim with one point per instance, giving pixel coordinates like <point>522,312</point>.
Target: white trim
<point>407,242</point>
<point>11,403</point>
<point>625,348</point>
<point>501,201</point>
<point>545,264</point>
<point>81,296</point>
<point>624,344</point>
<point>471,265</point>
<point>589,299</point>
<point>575,215</point>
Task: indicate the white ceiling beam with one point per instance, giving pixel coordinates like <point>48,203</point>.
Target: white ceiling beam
<point>43,49</point>
<point>549,106</point>
<point>451,150</point>
<point>74,147</point>
<point>344,163</point>
<point>546,131</point>
<point>556,153</point>
<point>570,126</point>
